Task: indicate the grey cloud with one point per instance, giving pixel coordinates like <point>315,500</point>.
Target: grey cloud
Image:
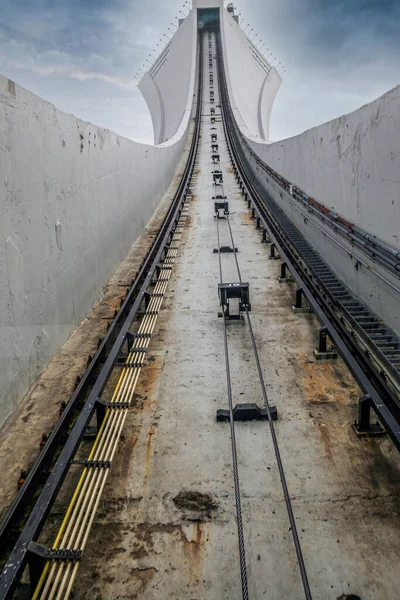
<point>82,54</point>
<point>338,55</point>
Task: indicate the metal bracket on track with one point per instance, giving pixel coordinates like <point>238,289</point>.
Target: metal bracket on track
<point>38,555</point>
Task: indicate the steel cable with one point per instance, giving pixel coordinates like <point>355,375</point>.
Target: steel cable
<point>242,552</point>
<point>288,502</point>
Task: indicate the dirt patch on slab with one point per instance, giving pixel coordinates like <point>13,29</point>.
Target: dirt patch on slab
<point>247,219</point>
<point>194,501</point>
<point>144,575</point>
<point>323,383</point>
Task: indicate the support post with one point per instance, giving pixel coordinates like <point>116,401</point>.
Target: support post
<point>322,352</point>
<point>298,307</point>
<point>363,426</point>
<point>285,276</point>
<point>265,237</point>
<point>273,254</point>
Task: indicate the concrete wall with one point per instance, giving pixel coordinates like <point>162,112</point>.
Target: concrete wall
<point>73,198</point>
<point>168,85</point>
<point>351,165</point>
<point>253,83</point>
<point>372,283</point>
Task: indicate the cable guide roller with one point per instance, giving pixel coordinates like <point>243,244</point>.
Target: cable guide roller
<point>221,205</point>
<point>230,291</point>
<point>217,177</point>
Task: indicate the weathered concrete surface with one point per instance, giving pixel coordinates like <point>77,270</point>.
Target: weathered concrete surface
<point>38,412</point>
<point>344,490</point>
<point>371,282</point>
<point>350,164</point>
<point>73,199</point>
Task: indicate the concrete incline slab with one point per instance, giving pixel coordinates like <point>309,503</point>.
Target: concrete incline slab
<point>166,525</point>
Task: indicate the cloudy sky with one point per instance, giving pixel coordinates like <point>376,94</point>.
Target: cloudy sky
<point>82,55</point>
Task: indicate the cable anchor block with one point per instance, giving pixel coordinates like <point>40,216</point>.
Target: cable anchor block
<point>217,177</point>
<point>247,412</point>
<point>225,250</point>
<point>93,464</point>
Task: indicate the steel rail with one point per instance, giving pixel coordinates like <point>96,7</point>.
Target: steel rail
<point>381,397</point>
<point>19,555</point>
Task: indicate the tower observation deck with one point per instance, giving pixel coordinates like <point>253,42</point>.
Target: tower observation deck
<point>225,423</point>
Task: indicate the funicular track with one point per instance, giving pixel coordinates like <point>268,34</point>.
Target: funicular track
<point>369,348</point>
<point>52,571</point>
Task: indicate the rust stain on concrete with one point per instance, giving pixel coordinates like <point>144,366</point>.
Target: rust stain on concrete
<point>326,439</point>
<point>149,381</point>
<point>193,538</point>
<point>330,392</point>
<point>124,455</point>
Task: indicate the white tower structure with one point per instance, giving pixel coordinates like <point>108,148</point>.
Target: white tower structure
<point>169,84</point>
